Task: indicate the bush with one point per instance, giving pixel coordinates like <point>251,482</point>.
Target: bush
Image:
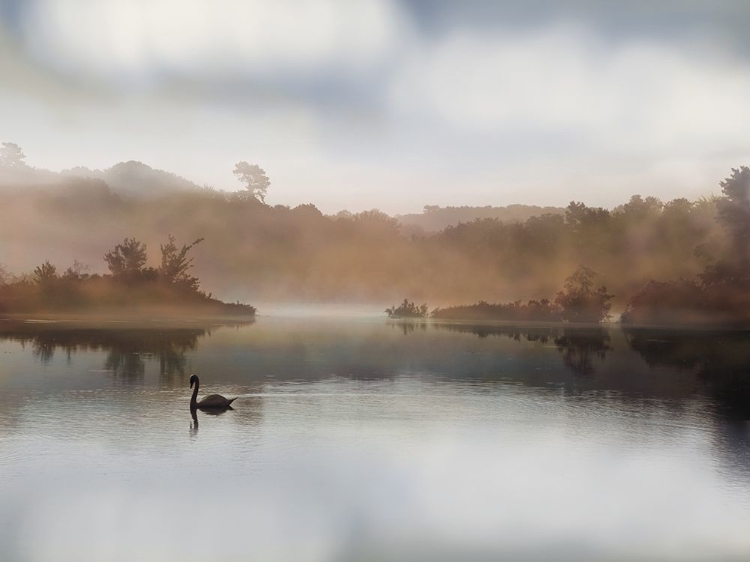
<point>407,309</point>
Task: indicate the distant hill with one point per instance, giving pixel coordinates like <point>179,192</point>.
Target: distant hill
<point>136,178</point>
<point>435,218</point>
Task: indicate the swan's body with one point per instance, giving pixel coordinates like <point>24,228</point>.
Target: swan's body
<point>211,402</point>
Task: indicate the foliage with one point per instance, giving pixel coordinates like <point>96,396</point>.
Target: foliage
<point>435,218</point>
<point>254,178</point>
<point>170,289</point>
<point>734,215</point>
<point>720,295</point>
<point>580,302</point>
<point>533,311</point>
<point>76,271</point>
<point>11,156</point>
<point>5,276</point>
<point>127,260</point>
<point>665,303</point>
<point>407,309</point>
<point>689,302</point>
<point>278,252</point>
<point>45,273</point>
<point>175,264</point>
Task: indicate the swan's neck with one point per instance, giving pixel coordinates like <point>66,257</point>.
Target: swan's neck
<point>194,398</point>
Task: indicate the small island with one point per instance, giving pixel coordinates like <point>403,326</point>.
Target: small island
<point>130,289</point>
<point>580,301</point>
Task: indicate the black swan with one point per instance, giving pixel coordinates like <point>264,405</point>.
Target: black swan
<point>212,402</point>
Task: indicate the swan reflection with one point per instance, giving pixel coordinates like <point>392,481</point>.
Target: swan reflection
<point>194,423</point>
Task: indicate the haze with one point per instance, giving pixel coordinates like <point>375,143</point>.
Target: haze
<point>362,104</point>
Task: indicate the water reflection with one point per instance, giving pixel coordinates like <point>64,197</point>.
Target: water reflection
<point>408,326</point>
<point>356,440</point>
<point>128,348</point>
<point>718,362</point>
<point>721,361</point>
<point>194,424</point>
<point>580,348</point>
<point>542,334</point>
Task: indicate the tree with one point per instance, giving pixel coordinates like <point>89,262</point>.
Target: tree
<point>407,309</point>
<point>589,228</point>
<point>175,263</point>
<point>734,214</point>
<point>45,273</point>
<point>127,260</point>
<point>582,218</point>
<point>254,178</point>
<point>11,156</point>
<point>580,302</point>
<point>77,271</point>
<point>5,276</point>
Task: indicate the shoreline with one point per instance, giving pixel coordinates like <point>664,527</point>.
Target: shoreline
<point>114,318</point>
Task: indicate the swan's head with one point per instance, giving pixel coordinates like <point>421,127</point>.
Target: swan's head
<point>193,379</point>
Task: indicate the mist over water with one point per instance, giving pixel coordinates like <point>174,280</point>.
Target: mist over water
<point>374,280</point>
<point>365,439</point>
<point>253,252</point>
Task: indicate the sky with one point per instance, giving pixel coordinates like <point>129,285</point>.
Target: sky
<point>390,104</point>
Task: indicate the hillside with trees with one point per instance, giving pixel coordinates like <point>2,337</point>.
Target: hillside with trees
<point>661,261</point>
<point>720,294</point>
<point>435,218</point>
<point>135,178</point>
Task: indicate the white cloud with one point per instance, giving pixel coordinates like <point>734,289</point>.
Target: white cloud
<point>138,39</point>
<point>481,82</point>
<point>527,115</point>
<point>566,81</point>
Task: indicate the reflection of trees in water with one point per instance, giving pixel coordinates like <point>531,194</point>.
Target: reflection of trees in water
<point>128,352</point>
<point>579,346</point>
<point>721,362</point>
<point>125,364</point>
<point>127,349</point>
<point>43,349</point>
<point>530,333</point>
<point>720,359</point>
<point>408,326</point>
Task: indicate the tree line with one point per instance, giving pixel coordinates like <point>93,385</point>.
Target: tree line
<point>580,301</point>
<point>130,286</point>
<point>717,295</point>
<point>663,262</point>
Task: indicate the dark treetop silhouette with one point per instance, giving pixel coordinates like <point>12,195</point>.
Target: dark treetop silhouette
<point>131,286</point>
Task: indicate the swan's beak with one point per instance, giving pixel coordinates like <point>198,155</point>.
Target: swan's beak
<point>191,384</point>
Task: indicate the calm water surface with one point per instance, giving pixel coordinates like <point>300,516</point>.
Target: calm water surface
<point>369,440</point>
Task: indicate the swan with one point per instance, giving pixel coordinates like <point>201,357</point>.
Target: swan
<point>212,402</point>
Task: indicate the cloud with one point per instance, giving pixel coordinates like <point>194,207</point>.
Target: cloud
<point>565,81</point>
<point>143,40</point>
<point>402,104</point>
